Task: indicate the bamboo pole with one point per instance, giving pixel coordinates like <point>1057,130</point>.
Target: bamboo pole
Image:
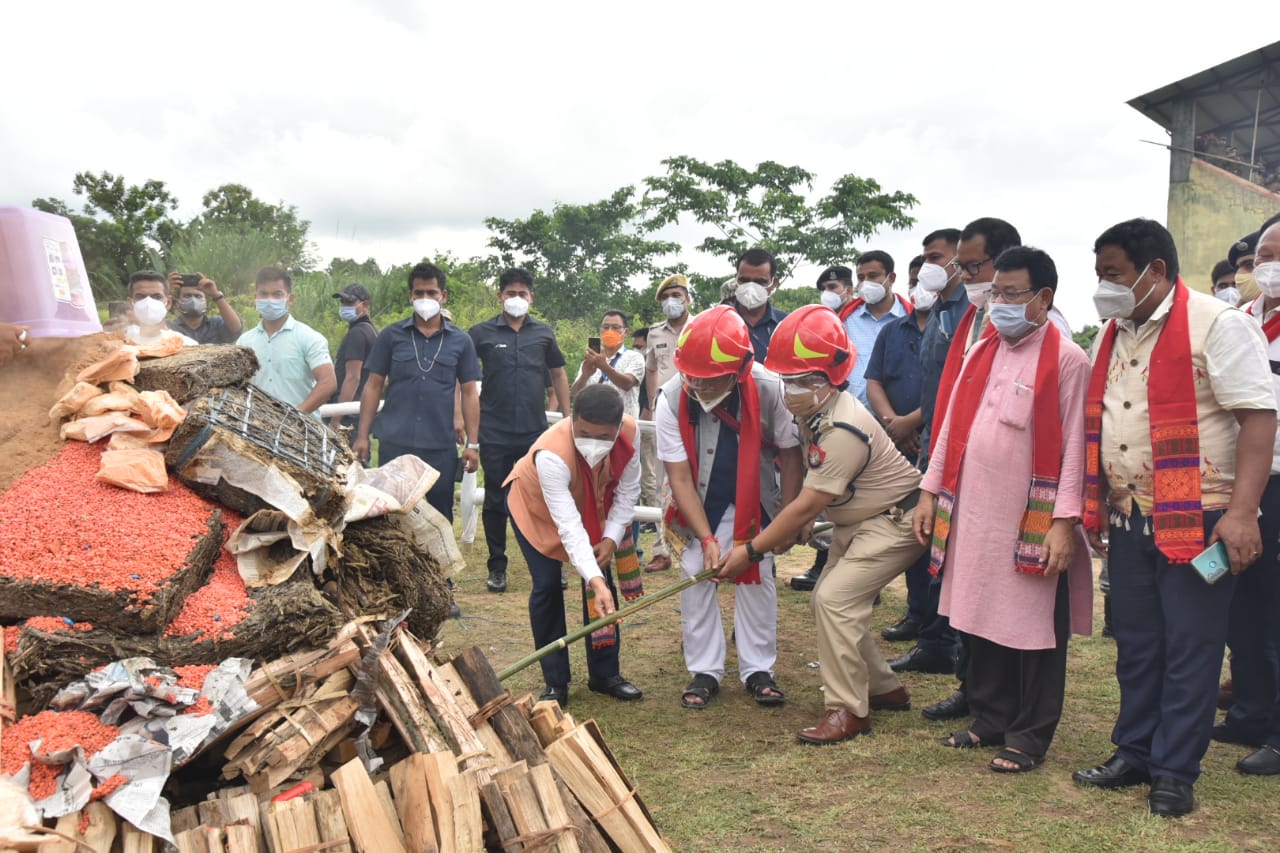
<point>604,621</point>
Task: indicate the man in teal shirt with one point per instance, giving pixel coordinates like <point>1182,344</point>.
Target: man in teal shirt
<point>294,365</point>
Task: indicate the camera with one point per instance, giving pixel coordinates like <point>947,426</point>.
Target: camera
<point>191,279</point>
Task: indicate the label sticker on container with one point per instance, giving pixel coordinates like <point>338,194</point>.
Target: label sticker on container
<point>57,271</point>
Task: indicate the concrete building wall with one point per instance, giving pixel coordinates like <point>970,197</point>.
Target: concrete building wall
<point>1211,211</point>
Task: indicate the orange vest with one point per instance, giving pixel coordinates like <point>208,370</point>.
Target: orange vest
<point>526,503</point>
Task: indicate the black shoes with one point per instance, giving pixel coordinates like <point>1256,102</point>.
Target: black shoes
<point>953,707</point>
<point>1170,798</point>
<point>1224,732</point>
<point>1264,762</point>
<point>497,581</point>
<point>920,660</point>
<point>1115,772</point>
<point>807,581</point>
<point>907,629</point>
<point>559,695</point>
<point>617,687</point>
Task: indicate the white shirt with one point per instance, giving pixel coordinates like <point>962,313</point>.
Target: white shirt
<point>626,361</point>
<point>671,445</point>
<point>553,477</point>
<point>1273,354</point>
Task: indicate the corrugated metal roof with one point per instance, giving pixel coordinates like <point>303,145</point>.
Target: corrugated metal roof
<point>1226,97</point>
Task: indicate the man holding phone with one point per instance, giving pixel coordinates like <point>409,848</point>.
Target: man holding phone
<point>608,362</point>
<point>1180,423</point>
<point>195,293</point>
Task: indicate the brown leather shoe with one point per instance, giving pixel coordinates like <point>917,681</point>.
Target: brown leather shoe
<point>897,699</point>
<point>838,724</point>
<point>658,564</point>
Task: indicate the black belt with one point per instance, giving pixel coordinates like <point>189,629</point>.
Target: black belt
<point>909,502</point>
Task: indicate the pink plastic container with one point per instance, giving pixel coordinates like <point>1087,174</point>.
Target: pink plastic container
<point>43,283</point>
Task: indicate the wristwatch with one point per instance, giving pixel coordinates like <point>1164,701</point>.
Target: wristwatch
<point>752,554</point>
<point>473,447</point>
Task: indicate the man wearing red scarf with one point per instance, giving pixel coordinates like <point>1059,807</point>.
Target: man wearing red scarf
<point>1254,717</point>
<point>724,435</point>
<point>1180,424</point>
<point>1001,504</point>
<point>573,497</point>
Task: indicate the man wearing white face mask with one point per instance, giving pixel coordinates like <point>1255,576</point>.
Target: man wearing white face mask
<point>865,318</point>
<point>673,296</point>
<point>721,425</point>
<point>757,278</point>
<point>572,499</point>
<point>1223,283</point>
<point>1254,633</point>
<point>1180,427</point>
<point>417,362</point>
<point>1001,506</point>
<point>293,359</point>
<point>517,355</point>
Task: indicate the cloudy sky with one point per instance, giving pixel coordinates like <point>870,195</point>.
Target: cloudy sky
<point>397,126</point>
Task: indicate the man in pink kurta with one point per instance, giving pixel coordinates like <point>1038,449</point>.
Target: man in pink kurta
<point>1018,617</point>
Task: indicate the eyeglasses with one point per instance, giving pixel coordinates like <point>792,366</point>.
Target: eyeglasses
<point>1009,295</point>
<point>138,297</point>
<point>612,327</point>
<point>971,268</point>
<point>807,381</point>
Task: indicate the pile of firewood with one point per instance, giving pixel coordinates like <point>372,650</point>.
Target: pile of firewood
<point>367,745</point>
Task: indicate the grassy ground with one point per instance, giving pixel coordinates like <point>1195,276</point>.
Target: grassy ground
<point>733,776</point>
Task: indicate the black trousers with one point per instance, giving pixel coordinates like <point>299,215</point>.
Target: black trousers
<point>445,461</point>
<point>1254,634</point>
<point>1171,631</point>
<point>546,618</point>
<point>497,460</point>
<point>1016,693</point>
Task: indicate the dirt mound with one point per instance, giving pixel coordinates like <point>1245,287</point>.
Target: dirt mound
<point>29,386</point>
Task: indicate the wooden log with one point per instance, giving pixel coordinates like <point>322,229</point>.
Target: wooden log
<point>413,803</point>
<point>553,809</point>
<point>516,732</point>
<point>330,822</point>
<point>588,773</point>
<point>383,789</point>
<point>453,723</point>
<point>243,809</point>
<point>180,820</point>
<point>440,767</point>
<point>8,695</point>
<point>214,839</point>
<point>492,742</point>
<point>292,824</point>
<point>403,704</point>
<point>134,840</point>
<point>498,818</point>
<point>242,838</point>
<point>191,841</point>
<point>522,801</point>
<point>468,824</point>
<point>366,818</point>
<point>103,826</point>
<point>69,826</point>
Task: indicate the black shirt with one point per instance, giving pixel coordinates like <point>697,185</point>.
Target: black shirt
<point>421,373</point>
<point>356,345</point>
<point>513,400</point>
<point>761,333</point>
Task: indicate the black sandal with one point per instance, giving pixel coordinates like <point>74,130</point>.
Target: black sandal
<point>964,739</point>
<point>759,682</point>
<point>703,687</point>
<point>1024,761</point>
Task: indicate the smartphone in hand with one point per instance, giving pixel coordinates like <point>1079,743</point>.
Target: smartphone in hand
<point>1212,563</point>
<point>593,344</point>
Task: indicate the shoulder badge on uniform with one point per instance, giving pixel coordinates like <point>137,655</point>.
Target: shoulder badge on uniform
<point>816,455</point>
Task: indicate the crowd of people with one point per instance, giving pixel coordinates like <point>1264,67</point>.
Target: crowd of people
<point>953,433</point>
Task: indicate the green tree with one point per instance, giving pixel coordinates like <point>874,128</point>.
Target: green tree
<point>1085,337</point>
<point>582,256</point>
<point>770,206</point>
<point>228,255</point>
<point>122,228</point>
<point>234,207</point>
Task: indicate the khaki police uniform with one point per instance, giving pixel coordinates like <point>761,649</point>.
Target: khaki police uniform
<point>849,455</point>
